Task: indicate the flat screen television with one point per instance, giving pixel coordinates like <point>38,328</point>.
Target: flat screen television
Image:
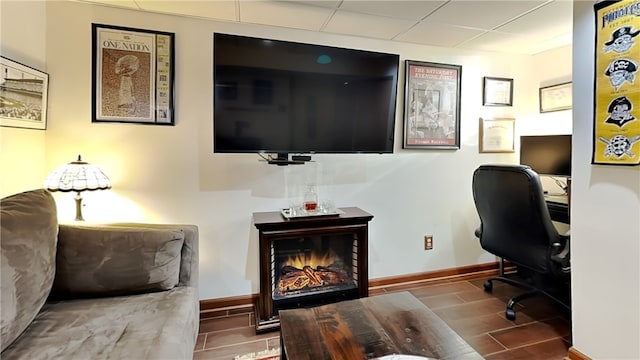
<point>547,154</point>
<point>273,96</point>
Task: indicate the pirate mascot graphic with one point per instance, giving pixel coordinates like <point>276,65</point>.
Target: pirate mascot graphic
<point>621,40</point>
<point>620,111</point>
<point>621,70</point>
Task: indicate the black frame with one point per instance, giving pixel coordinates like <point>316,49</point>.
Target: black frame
<point>27,93</point>
<point>140,89</point>
<point>489,92</point>
<point>440,129</point>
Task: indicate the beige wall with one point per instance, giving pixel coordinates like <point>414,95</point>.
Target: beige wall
<point>605,226</point>
<point>170,174</point>
<point>22,152</point>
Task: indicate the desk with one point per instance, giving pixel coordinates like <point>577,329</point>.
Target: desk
<point>558,206</point>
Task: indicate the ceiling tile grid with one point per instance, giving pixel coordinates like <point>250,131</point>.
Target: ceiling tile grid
<point>509,26</point>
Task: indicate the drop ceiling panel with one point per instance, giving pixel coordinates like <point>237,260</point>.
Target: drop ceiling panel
<point>438,34</point>
<point>553,15</point>
<point>344,22</point>
<point>481,14</point>
<point>117,3</point>
<point>282,14</point>
<point>514,43</point>
<point>331,4</point>
<point>410,10</point>
<point>219,10</point>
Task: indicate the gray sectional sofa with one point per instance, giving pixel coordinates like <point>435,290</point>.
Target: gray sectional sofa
<point>113,291</point>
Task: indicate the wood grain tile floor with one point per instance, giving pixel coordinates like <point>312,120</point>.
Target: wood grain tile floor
<point>542,330</point>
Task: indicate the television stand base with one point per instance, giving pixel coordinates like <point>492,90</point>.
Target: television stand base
<point>284,162</point>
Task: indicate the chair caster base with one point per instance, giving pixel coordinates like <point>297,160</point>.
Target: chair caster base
<point>510,314</point>
<point>488,286</point>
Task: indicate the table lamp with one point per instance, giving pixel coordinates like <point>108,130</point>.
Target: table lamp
<point>77,176</point>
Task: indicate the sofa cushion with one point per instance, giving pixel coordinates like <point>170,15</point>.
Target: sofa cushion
<point>29,228</point>
<point>95,261</point>
<point>155,326</point>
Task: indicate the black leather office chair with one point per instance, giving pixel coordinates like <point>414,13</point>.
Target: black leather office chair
<point>515,225</point>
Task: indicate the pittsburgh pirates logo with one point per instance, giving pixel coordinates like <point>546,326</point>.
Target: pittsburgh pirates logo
<point>621,39</point>
<point>620,71</point>
<point>619,146</point>
<point>620,111</point>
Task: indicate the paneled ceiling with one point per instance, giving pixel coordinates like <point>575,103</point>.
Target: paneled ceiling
<point>507,26</point>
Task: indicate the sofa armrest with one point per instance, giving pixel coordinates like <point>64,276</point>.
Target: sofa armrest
<point>125,258</point>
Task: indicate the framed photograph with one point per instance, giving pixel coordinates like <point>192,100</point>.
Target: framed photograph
<point>497,135</point>
<point>497,91</point>
<point>23,96</point>
<point>431,105</point>
<point>555,97</point>
<point>133,72</point>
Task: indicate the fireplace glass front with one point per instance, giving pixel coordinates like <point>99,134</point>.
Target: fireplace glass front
<point>312,270</point>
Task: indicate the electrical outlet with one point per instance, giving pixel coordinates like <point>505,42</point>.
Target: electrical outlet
<point>428,242</point>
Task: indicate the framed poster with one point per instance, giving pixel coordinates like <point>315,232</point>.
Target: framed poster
<point>23,96</point>
<point>556,97</point>
<point>497,135</point>
<point>616,130</point>
<point>132,75</point>
<point>431,105</point>
<point>497,91</point>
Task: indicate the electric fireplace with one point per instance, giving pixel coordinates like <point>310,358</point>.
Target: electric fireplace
<point>311,261</point>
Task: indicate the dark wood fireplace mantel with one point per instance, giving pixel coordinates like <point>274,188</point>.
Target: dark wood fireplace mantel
<point>273,227</point>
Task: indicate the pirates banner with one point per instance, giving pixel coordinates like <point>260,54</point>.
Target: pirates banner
<point>616,90</point>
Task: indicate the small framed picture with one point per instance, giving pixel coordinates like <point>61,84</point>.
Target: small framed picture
<point>555,97</point>
<point>497,135</point>
<point>23,96</point>
<point>133,71</point>
<point>497,91</point>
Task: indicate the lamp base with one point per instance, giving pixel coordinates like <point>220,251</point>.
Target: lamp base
<point>78,199</point>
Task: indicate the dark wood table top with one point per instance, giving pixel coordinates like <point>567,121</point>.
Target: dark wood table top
<point>368,328</point>
<point>270,219</point>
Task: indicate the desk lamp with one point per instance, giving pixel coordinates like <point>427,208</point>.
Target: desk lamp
<point>77,176</point>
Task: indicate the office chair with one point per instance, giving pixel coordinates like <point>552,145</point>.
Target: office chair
<point>515,225</point>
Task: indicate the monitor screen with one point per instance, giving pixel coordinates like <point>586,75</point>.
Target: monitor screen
<point>285,97</point>
<point>547,154</point>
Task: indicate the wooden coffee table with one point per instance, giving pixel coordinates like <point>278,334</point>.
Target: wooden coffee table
<point>367,328</point>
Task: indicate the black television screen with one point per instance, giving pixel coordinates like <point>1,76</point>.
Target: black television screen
<point>547,154</point>
<point>285,97</point>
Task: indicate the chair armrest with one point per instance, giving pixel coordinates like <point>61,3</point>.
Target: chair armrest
<point>561,255</point>
<point>478,231</point>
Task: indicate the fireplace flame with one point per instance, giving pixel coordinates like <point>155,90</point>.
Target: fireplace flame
<point>309,259</point>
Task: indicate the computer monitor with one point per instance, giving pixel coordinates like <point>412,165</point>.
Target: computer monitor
<point>547,154</point>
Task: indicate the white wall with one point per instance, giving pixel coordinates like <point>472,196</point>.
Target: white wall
<point>605,226</point>
<point>170,174</point>
<point>22,152</point>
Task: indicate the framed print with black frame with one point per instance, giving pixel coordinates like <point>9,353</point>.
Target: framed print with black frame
<point>497,91</point>
<point>23,99</point>
<point>132,75</point>
<point>431,105</point>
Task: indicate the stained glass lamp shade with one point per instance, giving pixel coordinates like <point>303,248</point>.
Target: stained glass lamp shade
<point>77,176</point>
